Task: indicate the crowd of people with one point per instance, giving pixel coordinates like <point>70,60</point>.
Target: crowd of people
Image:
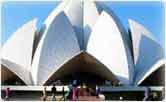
<point>75,90</point>
<point>80,90</point>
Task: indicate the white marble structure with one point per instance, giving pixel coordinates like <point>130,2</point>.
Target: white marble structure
<point>75,27</point>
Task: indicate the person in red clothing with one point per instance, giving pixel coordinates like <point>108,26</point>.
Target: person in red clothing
<point>7,92</point>
<point>74,94</point>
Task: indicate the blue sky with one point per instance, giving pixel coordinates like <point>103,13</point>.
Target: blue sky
<point>149,14</point>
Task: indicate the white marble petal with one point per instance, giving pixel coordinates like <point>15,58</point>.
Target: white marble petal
<point>57,45</point>
<point>17,51</point>
<point>18,48</point>
<point>106,44</point>
<point>147,51</point>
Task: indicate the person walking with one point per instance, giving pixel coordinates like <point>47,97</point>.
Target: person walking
<point>53,91</point>
<point>63,92</point>
<point>74,94</point>
<point>97,91</point>
<point>7,93</point>
<point>74,90</point>
<point>44,94</point>
<point>69,93</point>
<point>147,94</point>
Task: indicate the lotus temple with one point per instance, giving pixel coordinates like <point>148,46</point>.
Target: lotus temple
<point>83,41</point>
